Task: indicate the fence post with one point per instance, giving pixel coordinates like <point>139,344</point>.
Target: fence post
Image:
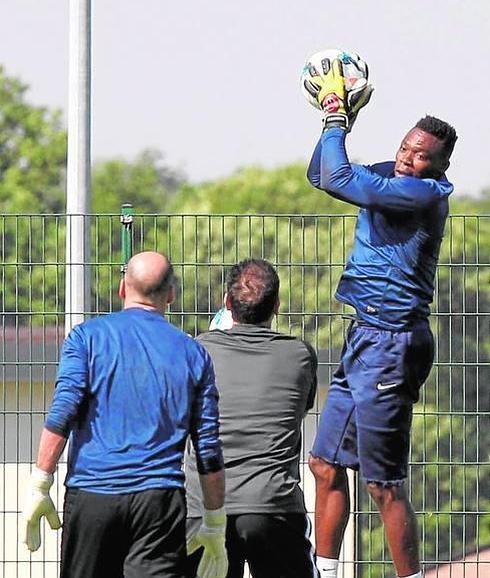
<point>349,543</point>
<point>77,289</point>
<point>127,213</point>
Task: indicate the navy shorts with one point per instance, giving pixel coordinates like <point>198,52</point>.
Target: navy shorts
<point>365,424</point>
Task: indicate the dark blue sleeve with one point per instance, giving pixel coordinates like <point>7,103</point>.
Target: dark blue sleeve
<point>331,171</point>
<point>314,168</point>
<point>71,384</point>
<point>204,428</point>
<point>314,173</point>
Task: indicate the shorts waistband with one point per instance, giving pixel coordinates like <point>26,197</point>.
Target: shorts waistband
<point>409,326</point>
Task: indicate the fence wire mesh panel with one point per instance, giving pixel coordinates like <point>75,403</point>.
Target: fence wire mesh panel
<point>449,481</point>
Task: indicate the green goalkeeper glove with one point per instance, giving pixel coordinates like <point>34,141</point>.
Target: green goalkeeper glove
<point>211,535</point>
<point>38,504</point>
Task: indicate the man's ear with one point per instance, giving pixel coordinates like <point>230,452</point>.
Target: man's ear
<point>122,289</point>
<point>170,295</point>
<point>444,167</point>
<point>228,306</point>
<point>277,306</point>
<point>227,301</point>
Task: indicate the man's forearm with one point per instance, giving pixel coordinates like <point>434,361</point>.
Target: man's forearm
<point>51,447</point>
<point>213,489</point>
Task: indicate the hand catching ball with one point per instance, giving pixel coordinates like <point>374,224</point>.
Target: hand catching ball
<point>336,77</point>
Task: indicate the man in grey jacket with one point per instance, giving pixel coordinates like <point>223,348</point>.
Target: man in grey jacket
<point>267,383</point>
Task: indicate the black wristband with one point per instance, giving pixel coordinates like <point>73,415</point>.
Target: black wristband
<point>335,120</point>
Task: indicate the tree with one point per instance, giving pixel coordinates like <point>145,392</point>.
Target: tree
<point>32,153</point>
<point>255,190</point>
<point>147,182</point>
<point>149,185</point>
<point>33,175</point>
<point>296,240</point>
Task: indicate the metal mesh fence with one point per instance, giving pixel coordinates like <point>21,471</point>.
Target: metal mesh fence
<point>449,479</point>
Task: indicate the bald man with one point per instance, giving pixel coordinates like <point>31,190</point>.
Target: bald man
<point>130,389</point>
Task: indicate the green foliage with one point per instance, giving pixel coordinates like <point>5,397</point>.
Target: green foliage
<point>32,168</point>
<point>32,153</point>
<point>293,242</point>
<point>255,190</point>
<point>147,183</point>
<point>33,175</point>
<point>308,251</point>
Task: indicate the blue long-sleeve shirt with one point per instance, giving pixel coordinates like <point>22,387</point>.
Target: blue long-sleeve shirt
<point>130,388</point>
<point>389,276</point>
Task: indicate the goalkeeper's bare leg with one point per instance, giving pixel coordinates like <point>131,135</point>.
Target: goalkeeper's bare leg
<point>332,513</point>
<point>400,526</point>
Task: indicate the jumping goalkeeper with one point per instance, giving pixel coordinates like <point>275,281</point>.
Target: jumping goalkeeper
<point>388,350</point>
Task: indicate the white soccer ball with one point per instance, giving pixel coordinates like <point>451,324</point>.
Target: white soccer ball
<point>354,69</point>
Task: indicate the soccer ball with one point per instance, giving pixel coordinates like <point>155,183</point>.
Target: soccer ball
<point>354,69</point>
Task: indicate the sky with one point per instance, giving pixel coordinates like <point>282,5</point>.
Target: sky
<point>215,85</point>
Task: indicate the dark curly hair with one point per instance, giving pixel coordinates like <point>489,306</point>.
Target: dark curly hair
<point>441,130</point>
<point>253,289</point>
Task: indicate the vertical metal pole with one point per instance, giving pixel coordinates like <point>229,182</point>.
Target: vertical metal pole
<point>78,197</point>
<point>348,553</point>
<point>126,234</point>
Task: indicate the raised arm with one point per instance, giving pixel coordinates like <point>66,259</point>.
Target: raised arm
<point>330,170</point>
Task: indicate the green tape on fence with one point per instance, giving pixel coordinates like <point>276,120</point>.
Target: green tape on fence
<point>127,213</point>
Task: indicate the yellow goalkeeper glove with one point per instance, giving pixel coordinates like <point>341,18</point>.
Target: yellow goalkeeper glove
<point>331,95</point>
<point>38,504</point>
<point>211,535</point>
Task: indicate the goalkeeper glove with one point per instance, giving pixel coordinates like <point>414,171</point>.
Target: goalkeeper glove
<point>341,105</point>
<point>356,99</point>
<point>38,504</point>
<point>211,535</point>
<point>329,91</point>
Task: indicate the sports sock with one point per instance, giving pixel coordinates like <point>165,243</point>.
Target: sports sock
<point>417,575</point>
<point>327,567</point>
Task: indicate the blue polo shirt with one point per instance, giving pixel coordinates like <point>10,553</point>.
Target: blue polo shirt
<point>130,388</point>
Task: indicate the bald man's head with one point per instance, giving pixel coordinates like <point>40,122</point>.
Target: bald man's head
<point>149,278</point>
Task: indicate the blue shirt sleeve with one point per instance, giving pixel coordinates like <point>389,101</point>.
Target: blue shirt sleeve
<point>331,171</point>
<point>71,384</point>
<point>204,426</point>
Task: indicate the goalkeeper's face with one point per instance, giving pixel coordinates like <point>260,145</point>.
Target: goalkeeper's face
<point>420,155</point>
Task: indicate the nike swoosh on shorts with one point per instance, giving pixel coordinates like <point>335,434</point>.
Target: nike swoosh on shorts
<point>381,386</point>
